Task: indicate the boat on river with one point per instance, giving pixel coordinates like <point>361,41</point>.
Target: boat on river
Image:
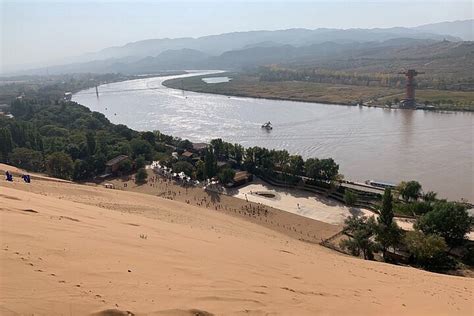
<point>381,184</point>
<point>267,126</point>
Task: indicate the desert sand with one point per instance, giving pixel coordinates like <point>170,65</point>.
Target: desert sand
<point>69,249</point>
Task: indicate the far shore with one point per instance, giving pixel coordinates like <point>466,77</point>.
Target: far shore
<point>172,83</point>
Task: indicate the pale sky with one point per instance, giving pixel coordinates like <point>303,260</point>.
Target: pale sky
<point>35,32</point>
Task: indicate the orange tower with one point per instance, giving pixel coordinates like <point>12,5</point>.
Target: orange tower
<point>410,74</point>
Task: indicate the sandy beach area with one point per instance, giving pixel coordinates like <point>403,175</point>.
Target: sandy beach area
<point>70,249</point>
<point>271,216</point>
<point>299,202</point>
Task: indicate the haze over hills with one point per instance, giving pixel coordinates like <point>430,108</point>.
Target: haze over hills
<point>461,29</point>
<point>249,49</point>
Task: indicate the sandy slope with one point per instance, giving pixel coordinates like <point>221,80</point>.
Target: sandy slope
<point>73,250</point>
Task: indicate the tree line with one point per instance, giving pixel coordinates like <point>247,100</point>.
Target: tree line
<point>379,79</point>
<point>438,241</point>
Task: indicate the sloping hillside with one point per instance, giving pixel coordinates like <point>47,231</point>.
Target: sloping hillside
<point>63,253</point>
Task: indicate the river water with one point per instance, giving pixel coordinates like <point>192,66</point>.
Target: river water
<point>435,148</point>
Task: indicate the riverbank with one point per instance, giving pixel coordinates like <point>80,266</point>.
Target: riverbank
<point>381,138</point>
<point>243,85</point>
<point>78,249</point>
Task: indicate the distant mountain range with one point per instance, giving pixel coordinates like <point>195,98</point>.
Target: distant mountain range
<point>249,49</point>
<point>461,29</point>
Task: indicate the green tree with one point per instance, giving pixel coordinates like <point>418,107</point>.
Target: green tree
<point>410,190</point>
<point>98,161</point>
<point>386,211</point>
<point>210,164</point>
<point>200,170</point>
<point>125,166</point>
<point>124,148</point>
<point>141,176</point>
<point>249,159</point>
<point>226,175</point>
<point>296,165</point>
<point>313,168</point>
<point>350,197</point>
<point>218,147</point>
<point>421,207</point>
<point>60,165</point>
<point>81,170</point>
<point>427,250</point>
<point>90,139</point>
<point>238,153</point>
<point>388,234</point>
<point>141,147</point>
<point>149,137</point>
<point>6,144</point>
<point>449,220</point>
<point>28,159</point>
<point>101,143</point>
<point>429,196</point>
<point>329,169</point>
<point>322,170</point>
<point>140,162</point>
<point>183,166</point>
<point>184,144</point>
<point>360,231</point>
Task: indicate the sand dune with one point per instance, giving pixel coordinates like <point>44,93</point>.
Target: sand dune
<point>70,249</point>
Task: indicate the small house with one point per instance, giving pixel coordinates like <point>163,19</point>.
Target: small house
<point>113,165</point>
<point>199,148</point>
<point>67,96</point>
<point>187,154</point>
<point>241,178</point>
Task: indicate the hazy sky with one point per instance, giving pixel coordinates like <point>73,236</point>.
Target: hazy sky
<point>42,31</point>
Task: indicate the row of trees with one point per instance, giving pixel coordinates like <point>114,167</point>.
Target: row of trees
<point>271,163</point>
<point>69,141</point>
<point>381,79</point>
<point>439,230</point>
<point>257,160</point>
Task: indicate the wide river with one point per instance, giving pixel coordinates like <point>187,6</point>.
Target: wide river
<point>435,148</point>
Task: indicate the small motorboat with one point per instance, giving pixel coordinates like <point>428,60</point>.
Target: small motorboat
<point>267,126</point>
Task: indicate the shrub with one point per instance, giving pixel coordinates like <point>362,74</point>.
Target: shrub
<point>410,190</point>
<point>140,162</point>
<point>450,220</point>
<point>361,230</point>
<point>59,165</point>
<point>429,251</point>
<point>183,166</point>
<point>28,159</point>
<point>226,175</point>
<point>350,197</point>
<point>141,176</point>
